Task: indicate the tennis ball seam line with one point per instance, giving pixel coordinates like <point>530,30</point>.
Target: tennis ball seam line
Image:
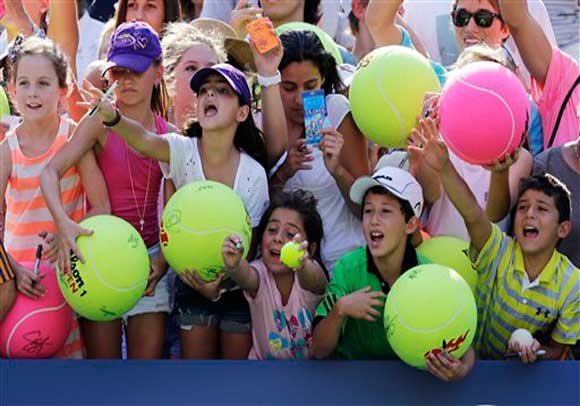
<point>503,101</point>
<point>29,315</point>
<point>392,106</point>
<point>447,323</point>
<point>214,230</point>
<point>102,279</point>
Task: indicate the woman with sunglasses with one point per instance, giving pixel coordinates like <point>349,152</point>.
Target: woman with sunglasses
<point>478,21</point>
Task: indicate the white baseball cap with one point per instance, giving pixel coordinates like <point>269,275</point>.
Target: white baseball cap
<point>396,181</point>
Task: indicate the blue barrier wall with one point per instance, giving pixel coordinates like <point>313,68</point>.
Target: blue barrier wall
<point>200,382</point>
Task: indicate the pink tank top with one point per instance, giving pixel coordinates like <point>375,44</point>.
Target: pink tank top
<point>134,183</point>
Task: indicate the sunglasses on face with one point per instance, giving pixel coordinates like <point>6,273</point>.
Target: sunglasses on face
<point>482,18</point>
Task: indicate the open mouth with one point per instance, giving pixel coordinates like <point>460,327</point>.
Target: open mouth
<point>530,232</point>
<point>471,41</point>
<point>210,110</point>
<point>275,255</point>
<point>376,237</point>
<point>34,106</point>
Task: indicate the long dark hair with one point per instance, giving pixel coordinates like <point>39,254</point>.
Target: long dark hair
<point>248,137</point>
<point>312,12</point>
<point>303,203</point>
<point>172,12</point>
<point>303,45</point>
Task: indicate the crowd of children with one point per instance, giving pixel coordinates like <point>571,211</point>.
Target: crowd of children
<point>188,106</point>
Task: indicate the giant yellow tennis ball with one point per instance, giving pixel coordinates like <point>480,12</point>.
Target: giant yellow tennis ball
<point>429,307</point>
<point>195,222</point>
<point>4,105</point>
<point>114,275</point>
<point>452,252</point>
<point>386,93</point>
<point>290,254</point>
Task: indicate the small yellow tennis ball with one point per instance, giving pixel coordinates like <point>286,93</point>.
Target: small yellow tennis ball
<point>291,254</point>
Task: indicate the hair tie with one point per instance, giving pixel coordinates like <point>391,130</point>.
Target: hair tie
<point>15,48</point>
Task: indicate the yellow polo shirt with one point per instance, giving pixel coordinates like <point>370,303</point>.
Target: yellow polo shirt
<point>548,307</point>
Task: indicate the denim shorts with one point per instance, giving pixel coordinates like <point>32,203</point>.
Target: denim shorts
<point>159,302</point>
<point>231,314</point>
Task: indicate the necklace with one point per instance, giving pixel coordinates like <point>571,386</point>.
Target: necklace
<point>141,216</point>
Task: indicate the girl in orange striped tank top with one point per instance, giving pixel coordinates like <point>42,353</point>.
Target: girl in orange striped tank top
<point>38,82</point>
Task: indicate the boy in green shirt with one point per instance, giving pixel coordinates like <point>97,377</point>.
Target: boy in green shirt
<point>523,281</point>
<point>348,321</point>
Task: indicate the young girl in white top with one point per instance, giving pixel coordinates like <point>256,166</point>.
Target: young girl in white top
<point>224,146</point>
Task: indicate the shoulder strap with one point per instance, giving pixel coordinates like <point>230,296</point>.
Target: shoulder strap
<point>561,113</point>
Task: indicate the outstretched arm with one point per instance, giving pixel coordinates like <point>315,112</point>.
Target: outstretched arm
<point>380,18</point>
<point>436,155</point>
<point>143,141</point>
<point>532,42</point>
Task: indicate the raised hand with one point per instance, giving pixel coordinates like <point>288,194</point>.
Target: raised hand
<point>241,15</point>
<point>94,98</point>
<point>331,146</point>
<point>267,64</point>
<point>424,141</point>
<point>232,250</point>
<point>503,165</point>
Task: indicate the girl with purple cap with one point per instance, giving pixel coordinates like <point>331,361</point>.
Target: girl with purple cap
<point>133,182</point>
<point>223,145</point>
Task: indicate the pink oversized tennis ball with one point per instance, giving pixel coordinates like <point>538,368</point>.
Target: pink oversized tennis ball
<point>36,328</point>
<point>484,112</point>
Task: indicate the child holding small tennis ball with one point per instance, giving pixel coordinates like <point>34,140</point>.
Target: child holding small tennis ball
<point>282,300</point>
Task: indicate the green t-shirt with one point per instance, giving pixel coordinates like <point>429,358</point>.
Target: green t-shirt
<point>360,339</point>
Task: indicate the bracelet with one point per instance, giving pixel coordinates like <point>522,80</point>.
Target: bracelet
<point>266,81</point>
<point>115,120</point>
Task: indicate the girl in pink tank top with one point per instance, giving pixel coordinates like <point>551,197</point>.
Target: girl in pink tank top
<point>133,183</point>
<point>39,77</point>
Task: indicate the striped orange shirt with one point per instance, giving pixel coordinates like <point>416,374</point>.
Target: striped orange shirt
<point>27,213</point>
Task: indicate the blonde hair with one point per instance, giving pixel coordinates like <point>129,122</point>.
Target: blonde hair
<point>177,39</point>
<point>105,40</point>
<point>483,52</point>
<point>33,46</point>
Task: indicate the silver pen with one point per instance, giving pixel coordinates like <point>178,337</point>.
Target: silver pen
<point>37,263</point>
<point>107,95</point>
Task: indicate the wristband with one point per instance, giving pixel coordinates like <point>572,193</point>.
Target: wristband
<point>266,81</point>
<point>114,121</point>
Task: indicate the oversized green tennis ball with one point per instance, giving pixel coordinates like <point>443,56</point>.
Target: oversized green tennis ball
<point>429,307</point>
<point>387,91</point>
<point>291,254</point>
<point>4,105</point>
<point>325,39</point>
<point>452,252</point>
<point>195,223</point>
<point>114,275</point>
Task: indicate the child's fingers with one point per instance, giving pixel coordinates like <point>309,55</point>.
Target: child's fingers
<point>373,312</point>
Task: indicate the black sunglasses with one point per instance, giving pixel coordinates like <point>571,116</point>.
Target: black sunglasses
<point>483,18</point>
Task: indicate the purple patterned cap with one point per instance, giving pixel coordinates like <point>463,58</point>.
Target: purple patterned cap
<point>134,45</point>
<point>233,76</point>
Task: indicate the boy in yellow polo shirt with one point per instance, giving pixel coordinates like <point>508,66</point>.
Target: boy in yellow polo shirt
<point>524,282</point>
